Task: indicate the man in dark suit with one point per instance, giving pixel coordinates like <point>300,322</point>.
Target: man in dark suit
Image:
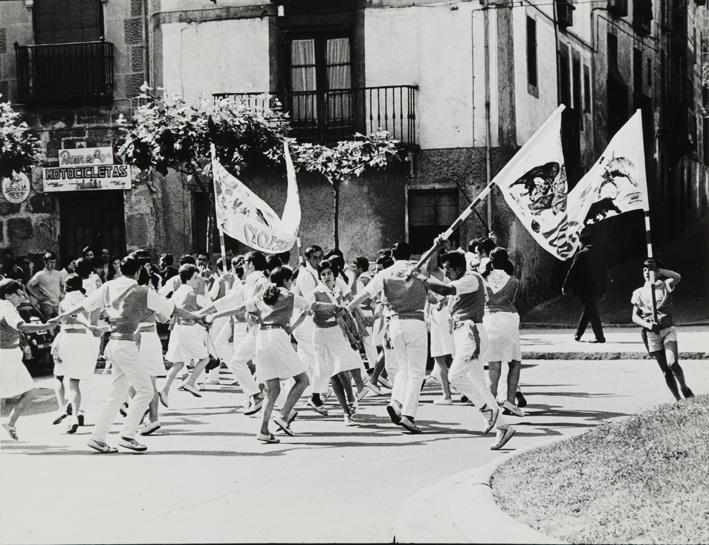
<point>587,280</point>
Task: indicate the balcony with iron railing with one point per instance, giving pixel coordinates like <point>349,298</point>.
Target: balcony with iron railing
<point>64,73</point>
<point>327,116</point>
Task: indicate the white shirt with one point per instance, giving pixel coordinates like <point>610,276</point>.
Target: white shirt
<point>113,289</point>
<point>171,285</point>
<point>377,284</point>
<point>9,313</point>
<point>306,281</point>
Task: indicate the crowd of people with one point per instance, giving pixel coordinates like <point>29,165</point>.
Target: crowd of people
<point>285,334</point>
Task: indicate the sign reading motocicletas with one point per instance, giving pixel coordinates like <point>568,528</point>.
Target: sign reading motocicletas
<point>86,169</point>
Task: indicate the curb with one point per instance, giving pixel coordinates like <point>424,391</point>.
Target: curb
<point>462,509</point>
<point>549,325</point>
<point>606,355</point>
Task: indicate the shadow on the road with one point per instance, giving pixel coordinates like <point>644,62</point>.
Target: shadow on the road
<point>541,409</point>
<point>46,450</point>
<point>570,394</point>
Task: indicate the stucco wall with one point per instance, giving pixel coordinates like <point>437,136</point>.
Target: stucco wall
<point>202,58</point>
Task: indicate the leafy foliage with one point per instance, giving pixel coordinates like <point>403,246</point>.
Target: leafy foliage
<point>170,133</point>
<point>19,147</point>
<point>348,158</point>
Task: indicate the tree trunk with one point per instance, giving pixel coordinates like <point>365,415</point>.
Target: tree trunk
<point>336,205</point>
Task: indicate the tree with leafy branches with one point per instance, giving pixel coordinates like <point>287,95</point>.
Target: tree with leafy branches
<point>169,133</point>
<point>19,147</point>
<point>346,160</point>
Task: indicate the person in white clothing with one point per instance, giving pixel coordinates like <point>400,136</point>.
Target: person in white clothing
<point>405,297</point>
<point>467,305</point>
<point>439,320</point>
<point>303,329</point>
<point>126,303</point>
<point>15,380</point>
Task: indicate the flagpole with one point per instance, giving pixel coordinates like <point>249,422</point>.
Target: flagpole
<point>448,232</point>
<point>222,243</point>
<point>648,233</point>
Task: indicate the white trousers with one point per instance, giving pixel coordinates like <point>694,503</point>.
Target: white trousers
<point>127,370</point>
<point>467,375</point>
<point>244,350</point>
<point>410,341</point>
<point>319,377</point>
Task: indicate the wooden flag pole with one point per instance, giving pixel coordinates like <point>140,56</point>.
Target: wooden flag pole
<point>648,240</point>
<point>222,243</point>
<point>448,232</point>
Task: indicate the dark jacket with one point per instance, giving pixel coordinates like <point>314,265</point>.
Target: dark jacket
<point>587,275</point>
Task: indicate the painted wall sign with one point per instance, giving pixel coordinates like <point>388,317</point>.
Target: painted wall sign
<point>84,169</point>
<point>16,189</point>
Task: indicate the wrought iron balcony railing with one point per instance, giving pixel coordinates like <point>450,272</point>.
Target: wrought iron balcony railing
<point>327,116</point>
<point>62,73</point>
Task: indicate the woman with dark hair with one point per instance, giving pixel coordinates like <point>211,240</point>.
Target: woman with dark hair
<point>75,349</point>
<point>274,358</point>
<point>15,380</point>
<point>332,350</point>
<point>114,268</point>
<point>501,322</point>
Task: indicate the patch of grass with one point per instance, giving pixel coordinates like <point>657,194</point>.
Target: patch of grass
<point>641,480</point>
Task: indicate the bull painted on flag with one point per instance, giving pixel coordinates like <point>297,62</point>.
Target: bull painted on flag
<point>534,186</point>
<point>243,215</point>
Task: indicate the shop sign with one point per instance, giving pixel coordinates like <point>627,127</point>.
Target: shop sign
<point>16,188</point>
<point>84,169</point>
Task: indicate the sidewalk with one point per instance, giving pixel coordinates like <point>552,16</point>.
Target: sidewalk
<point>622,343</point>
<point>691,300</point>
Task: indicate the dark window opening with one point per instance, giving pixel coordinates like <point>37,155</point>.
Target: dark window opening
<point>430,213</point>
<point>586,89</point>
<point>576,82</point>
<point>532,75</point>
<point>65,21</point>
<point>564,76</point>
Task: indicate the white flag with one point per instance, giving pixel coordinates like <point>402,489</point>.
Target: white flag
<point>243,215</point>
<point>616,183</point>
<point>534,186</point>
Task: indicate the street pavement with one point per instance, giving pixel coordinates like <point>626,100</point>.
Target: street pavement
<point>207,479</point>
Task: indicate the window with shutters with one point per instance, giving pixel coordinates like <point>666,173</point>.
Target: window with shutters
<point>431,212</point>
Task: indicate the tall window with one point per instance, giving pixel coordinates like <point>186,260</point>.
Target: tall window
<point>564,76</point>
<point>319,65</point>
<point>532,76</point>
<point>576,82</point>
<point>63,21</point>
<point>586,89</point>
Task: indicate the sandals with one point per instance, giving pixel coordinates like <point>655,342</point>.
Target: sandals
<point>11,431</point>
<point>492,419</point>
<point>283,425</point>
<point>103,448</point>
<point>267,438</point>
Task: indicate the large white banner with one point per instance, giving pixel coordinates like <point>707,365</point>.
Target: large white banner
<point>534,186</point>
<point>616,183</point>
<point>243,215</point>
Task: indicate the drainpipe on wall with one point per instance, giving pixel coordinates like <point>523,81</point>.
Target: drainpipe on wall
<point>488,131</point>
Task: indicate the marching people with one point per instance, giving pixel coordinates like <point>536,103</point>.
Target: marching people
<point>126,303</point>
<point>467,307</point>
<point>15,380</point>
<point>658,330</point>
<point>405,297</point>
<point>188,338</point>
<point>274,357</point>
<point>441,348</point>
<point>501,323</point>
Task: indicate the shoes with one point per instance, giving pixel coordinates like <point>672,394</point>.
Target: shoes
<point>394,414</point>
<point>317,408</point>
<point>362,394</point>
<point>255,405</point>
<point>687,393</point>
<point>59,418</point>
<point>599,341</point>
<point>513,409</point>
<point>577,338</point>
<point>494,413</point>
<point>191,389</point>
<point>372,388</point>
<point>385,383</point>
<point>267,438</point>
<point>80,418</point>
<point>282,425</point>
<point>102,447</point>
<point>502,437</point>
<point>150,427</point>
<point>464,399</point>
<point>11,431</point>
<point>521,400</point>
<point>162,396</point>
<point>132,444</point>
<point>73,426</point>
<point>348,420</point>
<point>409,425</point>
<point>443,401</point>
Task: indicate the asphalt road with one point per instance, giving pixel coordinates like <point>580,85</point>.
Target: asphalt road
<point>205,477</point>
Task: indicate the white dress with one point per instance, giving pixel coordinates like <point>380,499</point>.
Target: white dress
<point>188,342</point>
<point>441,335</point>
<point>14,377</point>
<point>501,321</point>
<point>76,349</point>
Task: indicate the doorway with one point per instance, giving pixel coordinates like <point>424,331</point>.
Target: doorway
<point>91,218</point>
